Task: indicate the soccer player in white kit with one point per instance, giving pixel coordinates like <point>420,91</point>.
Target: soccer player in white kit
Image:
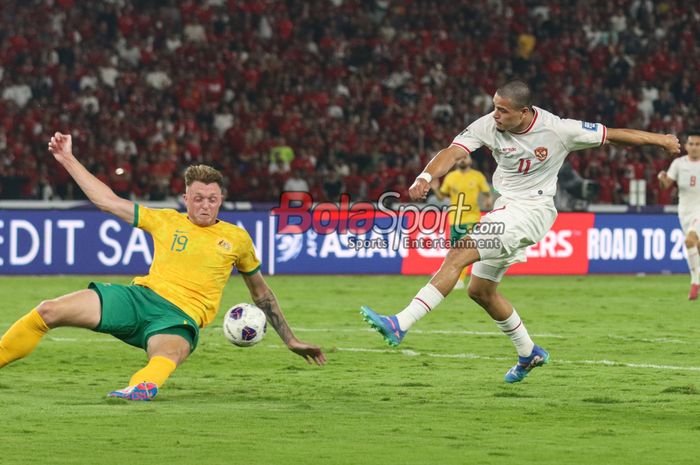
<point>529,145</point>
<point>685,172</point>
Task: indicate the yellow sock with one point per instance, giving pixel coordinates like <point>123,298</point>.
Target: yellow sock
<point>22,337</point>
<point>157,371</point>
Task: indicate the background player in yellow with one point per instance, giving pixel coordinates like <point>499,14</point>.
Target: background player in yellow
<point>163,311</point>
<point>463,186</point>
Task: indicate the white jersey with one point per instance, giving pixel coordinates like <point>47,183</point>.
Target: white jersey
<point>686,173</point>
<point>529,161</point>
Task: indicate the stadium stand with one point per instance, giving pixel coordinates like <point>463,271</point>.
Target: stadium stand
<point>346,95</point>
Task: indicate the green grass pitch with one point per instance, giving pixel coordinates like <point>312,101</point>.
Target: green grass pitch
<point>621,387</point>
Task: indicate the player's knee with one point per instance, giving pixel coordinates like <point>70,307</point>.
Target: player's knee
<point>177,355</point>
<point>479,294</point>
<point>175,348</point>
<point>691,241</point>
<point>183,351</point>
<point>50,312</point>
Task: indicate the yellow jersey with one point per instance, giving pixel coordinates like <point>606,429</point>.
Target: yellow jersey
<point>191,264</point>
<point>469,184</point>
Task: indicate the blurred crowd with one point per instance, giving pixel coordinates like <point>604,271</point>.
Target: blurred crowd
<point>327,96</point>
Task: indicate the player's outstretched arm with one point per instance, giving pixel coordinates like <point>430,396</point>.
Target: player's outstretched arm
<point>61,146</point>
<point>668,142</point>
<point>265,299</point>
<point>437,167</point>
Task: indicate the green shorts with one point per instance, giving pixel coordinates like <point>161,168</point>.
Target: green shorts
<point>135,313</point>
<point>458,231</point>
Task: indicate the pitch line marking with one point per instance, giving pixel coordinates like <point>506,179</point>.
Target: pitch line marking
<point>419,331</point>
<point>445,332</point>
<point>662,340</point>
<point>611,363</point>
<point>413,353</point>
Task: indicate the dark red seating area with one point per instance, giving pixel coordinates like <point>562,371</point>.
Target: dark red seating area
<point>359,93</point>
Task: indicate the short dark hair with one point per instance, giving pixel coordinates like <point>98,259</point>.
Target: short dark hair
<point>518,92</point>
<point>203,173</point>
<point>695,132</point>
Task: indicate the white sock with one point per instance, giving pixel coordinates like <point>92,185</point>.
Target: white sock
<point>514,328</point>
<point>427,299</point>
<point>694,265</point>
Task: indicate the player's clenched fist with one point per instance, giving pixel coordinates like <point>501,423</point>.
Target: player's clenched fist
<point>672,144</point>
<point>419,189</point>
<point>61,146</point>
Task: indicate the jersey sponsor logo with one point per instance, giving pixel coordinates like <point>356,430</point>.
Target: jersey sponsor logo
<point>589,126</point>
<point>507,149</point>
<point>224,244</point>
<point>541,153</point>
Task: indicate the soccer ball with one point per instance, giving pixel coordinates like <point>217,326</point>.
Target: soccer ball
<point>244,325</point>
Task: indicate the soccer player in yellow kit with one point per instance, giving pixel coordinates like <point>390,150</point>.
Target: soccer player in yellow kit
<point>163,311</point>
<point>463,186</point>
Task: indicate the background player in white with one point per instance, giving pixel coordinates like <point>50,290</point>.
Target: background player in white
<point>529,145</point>
<point>685,171</point>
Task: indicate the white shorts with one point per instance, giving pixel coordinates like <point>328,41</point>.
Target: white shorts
<point>523,223</point>
<point>690,221</point>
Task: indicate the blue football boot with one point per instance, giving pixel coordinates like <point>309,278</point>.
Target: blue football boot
<point>142,391</point>
<point>537,358</point>
<point>387,326</point>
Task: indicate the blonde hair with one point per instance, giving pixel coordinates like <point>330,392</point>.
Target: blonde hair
<point>203,173</point>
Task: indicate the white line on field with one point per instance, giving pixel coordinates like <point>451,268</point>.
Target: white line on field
<point>419,331</point>
<point>412,353</point>
<point>446,332</point>
<point>662,340</point>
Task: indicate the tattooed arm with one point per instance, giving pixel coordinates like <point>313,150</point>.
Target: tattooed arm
<point>265,299</point>
<point>268,303</point>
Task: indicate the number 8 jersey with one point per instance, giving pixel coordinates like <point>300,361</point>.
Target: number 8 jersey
<point>529,161</point>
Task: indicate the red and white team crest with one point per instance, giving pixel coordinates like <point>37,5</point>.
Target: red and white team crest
<point>541,153</point>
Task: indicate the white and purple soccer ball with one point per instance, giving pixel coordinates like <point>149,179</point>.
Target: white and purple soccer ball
<point>244,325</point>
